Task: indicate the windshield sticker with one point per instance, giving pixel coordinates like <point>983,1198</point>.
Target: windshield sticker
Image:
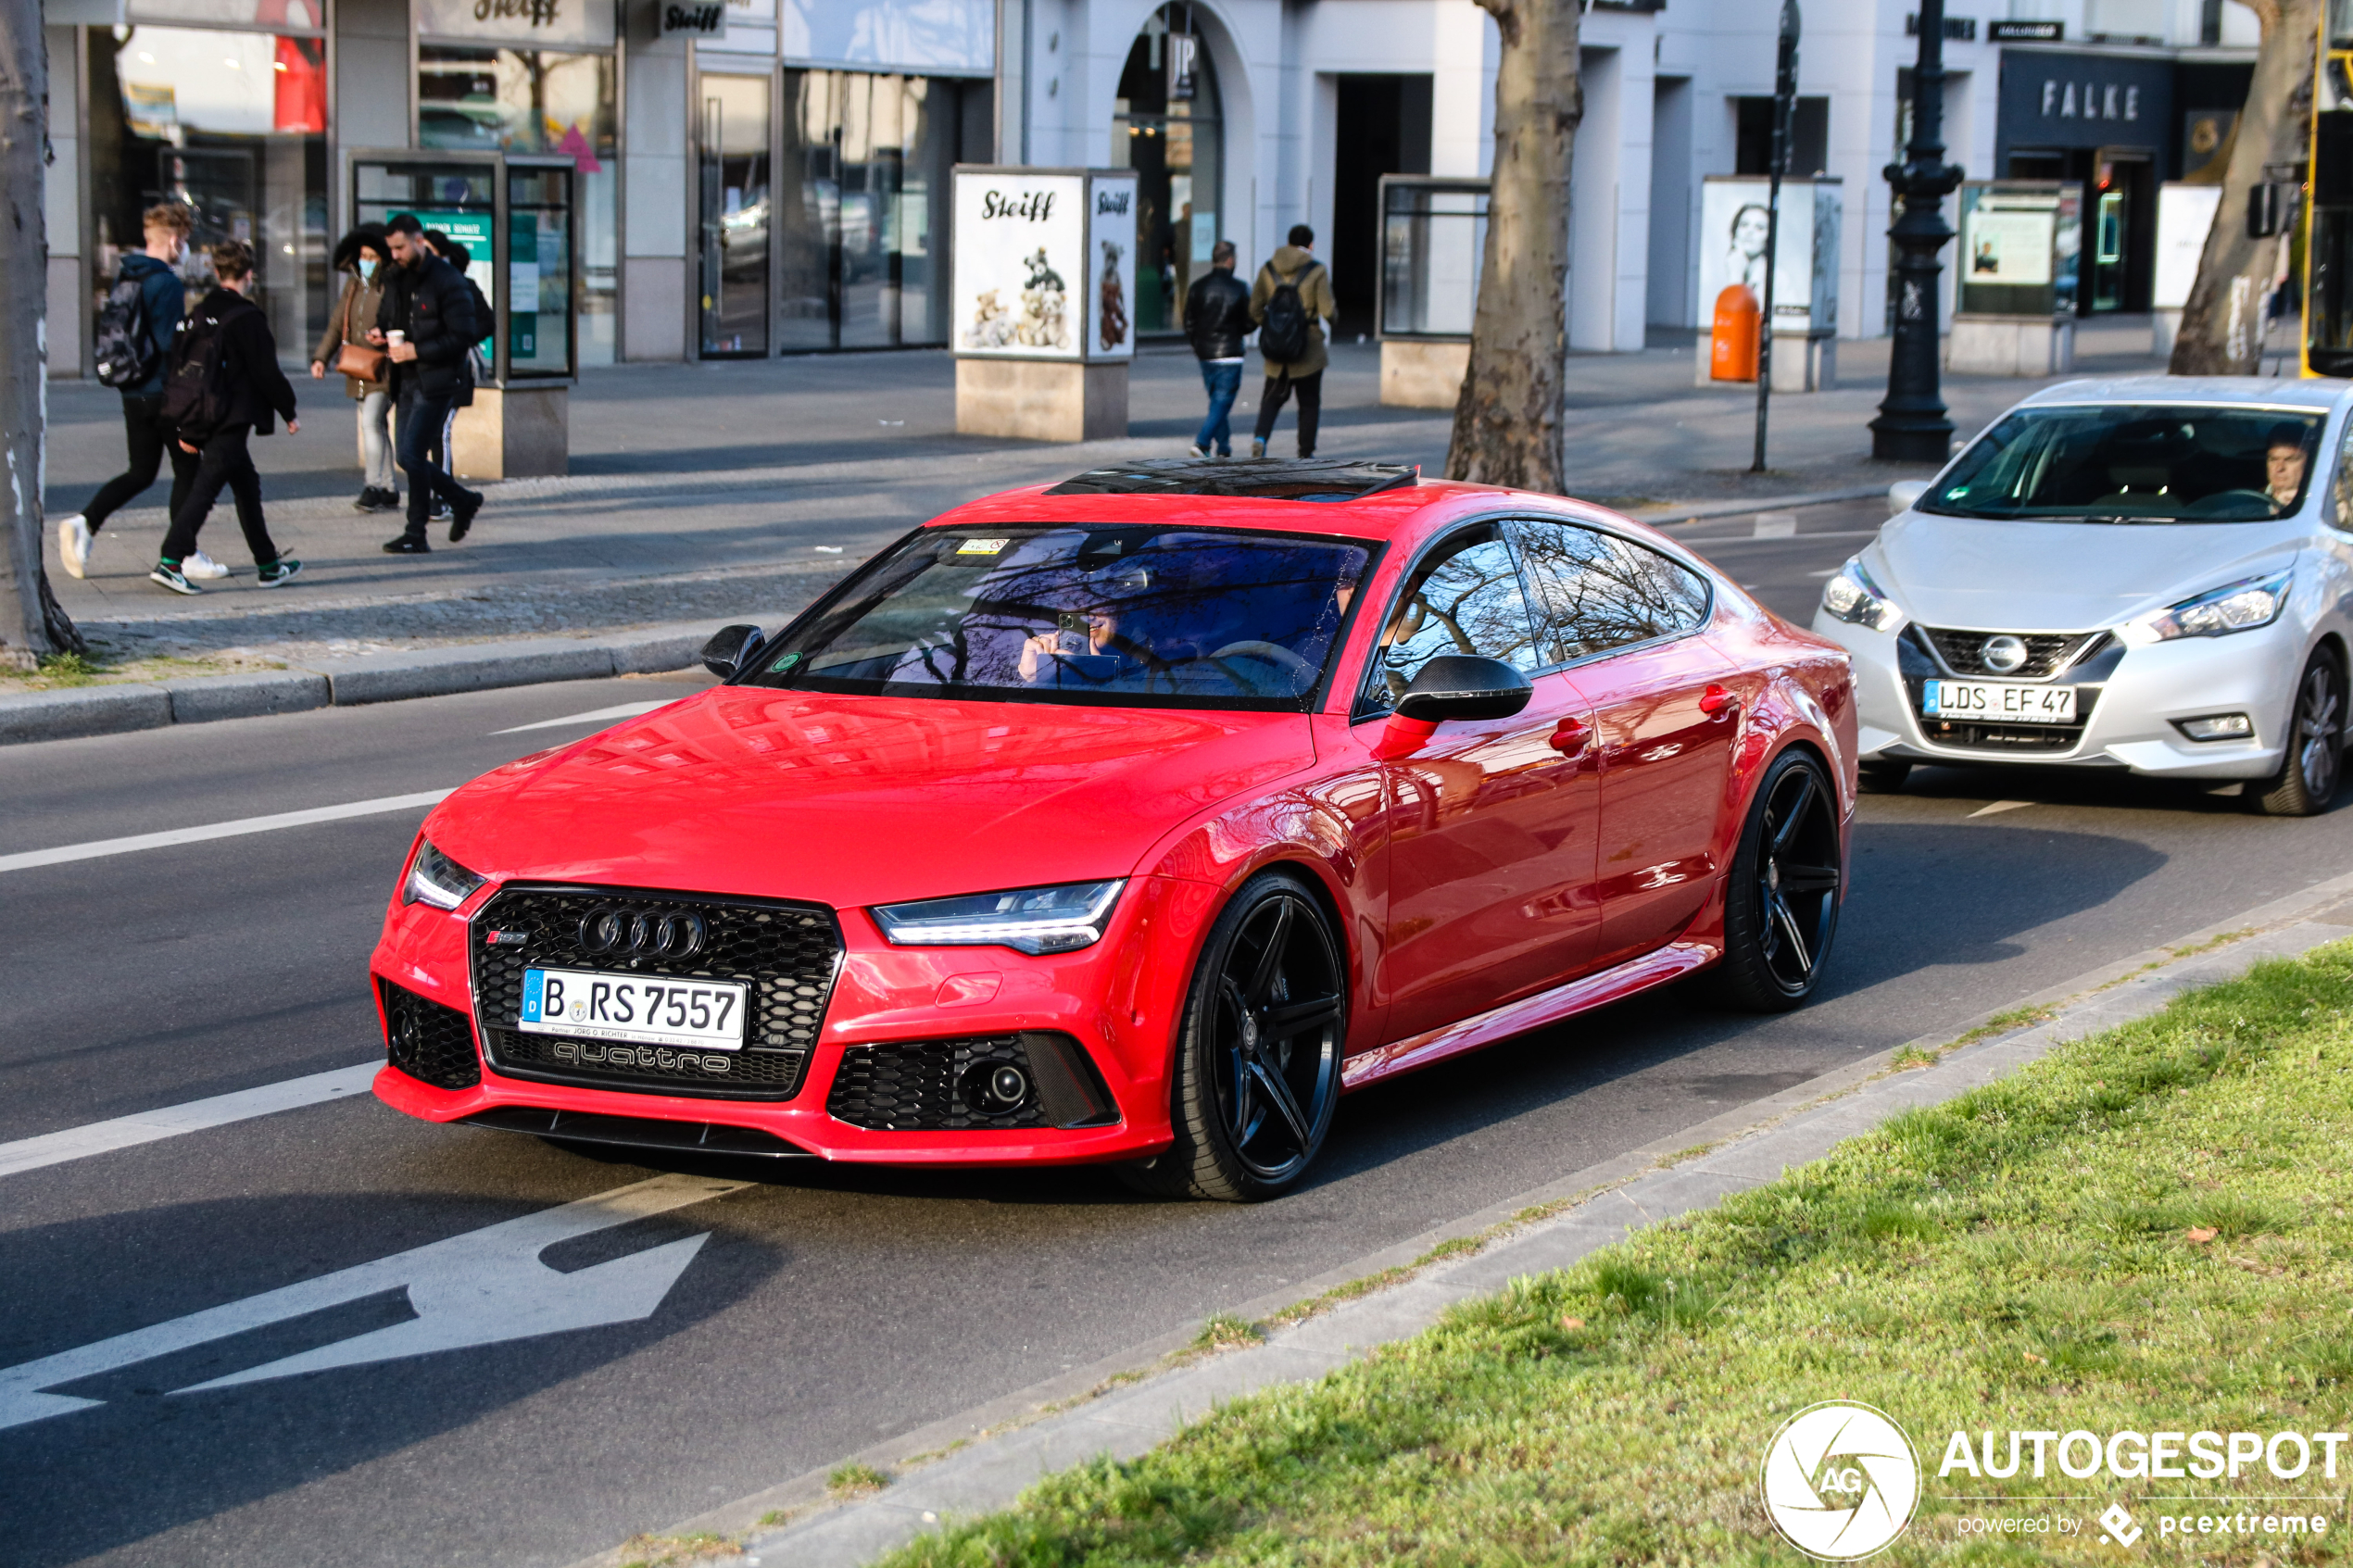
<point>982,546</point>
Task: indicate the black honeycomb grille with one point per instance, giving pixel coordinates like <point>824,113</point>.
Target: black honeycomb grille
<point>918,1086</point>
<point>1964,652</point>
<point>431,1043</point>
<point>787,953</point>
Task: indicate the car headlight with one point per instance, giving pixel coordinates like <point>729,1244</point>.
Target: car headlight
<point>1851,595</point>
<point>435,879</point>
<point>2235,607</point>
<point>1029,919</point>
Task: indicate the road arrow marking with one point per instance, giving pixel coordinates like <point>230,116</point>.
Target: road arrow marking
<point>2001,805</point>
<point>479,1288</point>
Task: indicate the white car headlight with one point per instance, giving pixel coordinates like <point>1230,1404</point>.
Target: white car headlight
<point>433,878</point>
<point>1029,919</point>
<point>1851,595</point>
<point>2235,607</point>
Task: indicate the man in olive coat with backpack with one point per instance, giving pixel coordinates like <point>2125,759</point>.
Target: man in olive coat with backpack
<point>1290,302</point>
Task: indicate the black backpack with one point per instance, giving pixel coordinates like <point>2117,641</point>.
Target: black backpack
<point>196,395</point>
<point>1283,337</point>
<point>126,349</point>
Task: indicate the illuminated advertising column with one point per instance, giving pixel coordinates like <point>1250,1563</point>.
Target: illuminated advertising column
<point>1044,301</point>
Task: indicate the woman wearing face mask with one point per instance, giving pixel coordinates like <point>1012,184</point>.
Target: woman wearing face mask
<point>344,347</point>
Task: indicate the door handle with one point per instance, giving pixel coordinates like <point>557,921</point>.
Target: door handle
<point>1570,736</point>
<point>1719,702</point>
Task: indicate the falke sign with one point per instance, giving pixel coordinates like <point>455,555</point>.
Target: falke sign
<point>2067,100</point>
<point>707,22</point>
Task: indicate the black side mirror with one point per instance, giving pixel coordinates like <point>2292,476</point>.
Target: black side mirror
<point>730,649</point>
<point>1460,686</point>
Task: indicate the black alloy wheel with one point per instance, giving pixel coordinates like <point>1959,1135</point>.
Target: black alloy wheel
<point>2307,777</point>
<point>1257,1068</point>
<point>1781,901</point>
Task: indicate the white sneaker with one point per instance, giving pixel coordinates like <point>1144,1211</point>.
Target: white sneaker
<point>198,564</point>
<point>73,543</point>
<point>1196,451</point>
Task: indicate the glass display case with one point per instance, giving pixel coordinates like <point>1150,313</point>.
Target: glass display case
<point>514,216</point>
<point>2021,246</point>
<point>1433,239</point>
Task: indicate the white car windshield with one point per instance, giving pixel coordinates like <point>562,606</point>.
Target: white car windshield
<point>2123,463</point>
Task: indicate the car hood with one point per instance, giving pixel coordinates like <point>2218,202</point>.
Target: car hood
<point>854,800</point>
<point>1999,576</point>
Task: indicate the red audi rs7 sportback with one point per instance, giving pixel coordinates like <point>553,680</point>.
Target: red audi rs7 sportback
<point>1135,820</point>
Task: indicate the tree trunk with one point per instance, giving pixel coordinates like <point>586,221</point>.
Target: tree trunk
<point>26,608</point>
<point>2223,324</point>
<point>1507,421</point>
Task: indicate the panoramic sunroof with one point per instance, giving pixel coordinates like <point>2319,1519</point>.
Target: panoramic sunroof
<point>1265,478</point>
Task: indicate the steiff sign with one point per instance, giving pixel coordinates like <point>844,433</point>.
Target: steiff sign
<point>707,23</point>
<point>1042,295</point>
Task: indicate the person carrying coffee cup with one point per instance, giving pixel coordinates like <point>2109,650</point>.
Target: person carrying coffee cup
<point>426,325</point>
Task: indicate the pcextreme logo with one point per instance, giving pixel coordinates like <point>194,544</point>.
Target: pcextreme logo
<point>1840,1481</point>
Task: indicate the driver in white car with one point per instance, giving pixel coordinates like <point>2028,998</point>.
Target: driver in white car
<point>2284,465</point>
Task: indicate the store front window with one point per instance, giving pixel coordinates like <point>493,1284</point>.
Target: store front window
<point>222,107</point>
<point>1165,125</point>
<point>847,248</point>
<point>471,97</point>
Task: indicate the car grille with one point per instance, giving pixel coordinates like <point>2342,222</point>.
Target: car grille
<point>1964,652</point>
<point>924,1085</point>
<point>431,1043</point>
<point>787,953</point>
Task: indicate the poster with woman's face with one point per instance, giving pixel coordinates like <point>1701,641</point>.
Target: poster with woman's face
<point>1734,224</point>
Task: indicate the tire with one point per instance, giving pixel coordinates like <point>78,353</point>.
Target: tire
<point>2309,773</point>
<point>1257,1064</point>
<point>1881,778</point>
<point>1781,896</point>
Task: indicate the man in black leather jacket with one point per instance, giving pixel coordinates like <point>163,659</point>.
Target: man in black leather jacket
<point>428,303</point>
<point>1218,319</point>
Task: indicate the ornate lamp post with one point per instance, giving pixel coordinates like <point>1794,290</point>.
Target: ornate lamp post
<point>1911,426</point>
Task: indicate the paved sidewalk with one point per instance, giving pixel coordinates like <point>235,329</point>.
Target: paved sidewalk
<point>983,1460</point>
<point>733,490</point>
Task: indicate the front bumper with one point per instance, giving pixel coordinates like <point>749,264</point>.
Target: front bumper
<point>1118,1001</point>
<point>2138,695</point>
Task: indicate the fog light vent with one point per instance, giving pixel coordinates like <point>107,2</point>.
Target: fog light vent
<point>2217,726</point>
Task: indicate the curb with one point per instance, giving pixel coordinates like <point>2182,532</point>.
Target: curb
<point>72,712</point>
<point>982,1459</point>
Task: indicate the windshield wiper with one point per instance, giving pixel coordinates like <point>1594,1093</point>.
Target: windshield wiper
<point>2117,518</point>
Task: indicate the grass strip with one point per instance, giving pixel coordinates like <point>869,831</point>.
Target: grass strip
<point>2145,1230</point>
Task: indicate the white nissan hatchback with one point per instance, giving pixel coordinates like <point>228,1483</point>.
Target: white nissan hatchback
<point>2151,573</point>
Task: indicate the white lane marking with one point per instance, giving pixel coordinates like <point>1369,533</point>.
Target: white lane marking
<point>621,711</point>
<point>195,1116</point>
<point>2001,805</point>
<point>1826,572</point>
<point>478,1289</point>
<point>1775,525</point>
<point>99,849</point>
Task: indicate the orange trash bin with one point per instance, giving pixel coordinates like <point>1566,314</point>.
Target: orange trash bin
<point>1732,352</point>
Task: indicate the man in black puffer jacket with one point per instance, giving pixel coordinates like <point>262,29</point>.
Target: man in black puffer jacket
<point>1218,319</point>
<point>429,306</point>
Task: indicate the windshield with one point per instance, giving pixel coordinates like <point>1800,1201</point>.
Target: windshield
<point>1121,616</point>
<point>2134,463</point>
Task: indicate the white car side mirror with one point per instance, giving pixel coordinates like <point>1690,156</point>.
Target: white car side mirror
<point>1905,493</point>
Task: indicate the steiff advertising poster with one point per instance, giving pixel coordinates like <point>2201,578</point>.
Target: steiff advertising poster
<point>1022,272</point>
<point>1111,256</point>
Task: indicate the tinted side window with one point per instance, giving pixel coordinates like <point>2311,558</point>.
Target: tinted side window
<point>1464,598</point>
<point>2339,511</point>
<point>1596,592</point>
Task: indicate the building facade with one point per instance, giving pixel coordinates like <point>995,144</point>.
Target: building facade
<point>752,178</point>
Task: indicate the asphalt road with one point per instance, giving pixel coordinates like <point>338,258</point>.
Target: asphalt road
<point>828,1308</point>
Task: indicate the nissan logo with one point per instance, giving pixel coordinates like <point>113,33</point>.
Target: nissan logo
<point>2003,654</point>
<point>649,933</point>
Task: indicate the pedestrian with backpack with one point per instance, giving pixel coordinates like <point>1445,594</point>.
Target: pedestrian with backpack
<point>426,324</point>
<point>444,450</point>
<point>223,384</point>
<point>1290,301</point>
<point>365,257</point>
<point>133,340</point>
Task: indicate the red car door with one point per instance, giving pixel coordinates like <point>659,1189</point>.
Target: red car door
<point>1492,823</point>
<point>1631,623</point>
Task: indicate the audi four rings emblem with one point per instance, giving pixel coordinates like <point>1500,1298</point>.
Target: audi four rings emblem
<point>650,933</point>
